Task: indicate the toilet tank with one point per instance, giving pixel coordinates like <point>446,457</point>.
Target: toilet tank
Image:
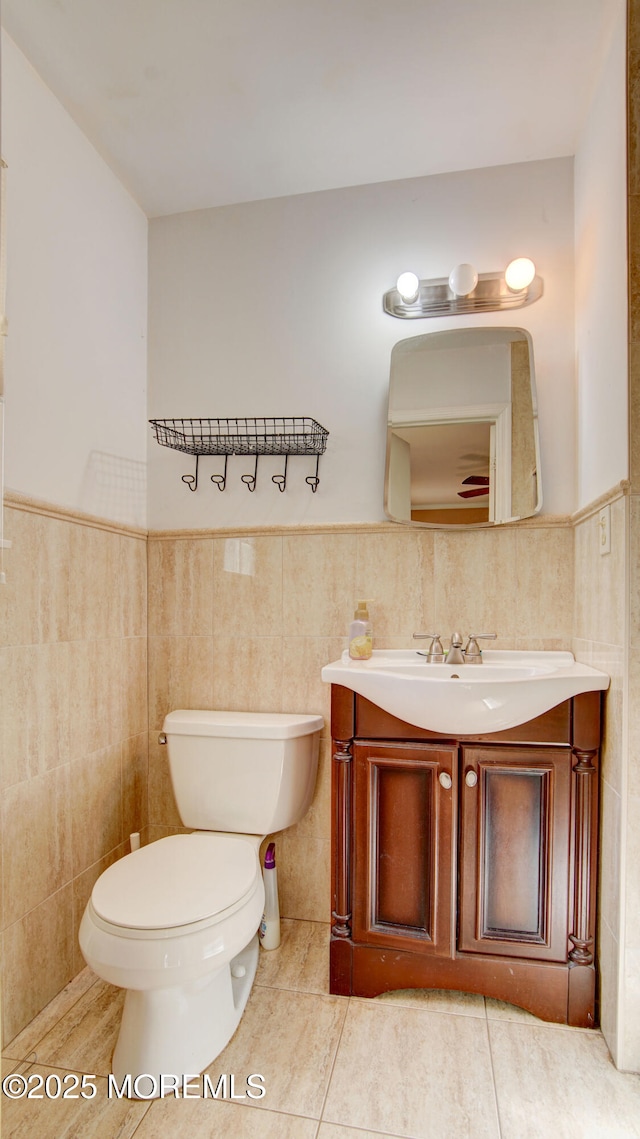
<point>246,772</point>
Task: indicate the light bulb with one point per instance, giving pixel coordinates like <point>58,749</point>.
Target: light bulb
<point>463,280</point>
<point>519,274</point>
<point>408,285</point>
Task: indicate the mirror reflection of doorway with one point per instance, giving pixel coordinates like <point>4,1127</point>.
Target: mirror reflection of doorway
<point>443,460</point>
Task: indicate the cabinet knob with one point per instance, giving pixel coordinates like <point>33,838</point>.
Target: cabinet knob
<point>471,779</point>
<point>445,780</point>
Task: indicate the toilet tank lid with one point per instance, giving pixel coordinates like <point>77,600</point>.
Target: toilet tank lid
<point>246,725</point>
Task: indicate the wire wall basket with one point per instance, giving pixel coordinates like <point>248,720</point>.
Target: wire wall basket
<point>287,435</point>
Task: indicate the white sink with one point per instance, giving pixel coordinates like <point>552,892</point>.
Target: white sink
<point>507,689</point>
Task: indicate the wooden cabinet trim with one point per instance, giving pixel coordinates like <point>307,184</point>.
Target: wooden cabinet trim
<point>553,728</point>
<point>343,712</point>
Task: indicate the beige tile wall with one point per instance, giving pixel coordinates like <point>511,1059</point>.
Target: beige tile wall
<point>73,737</point>
<point>257,640</point>
<point>74,669</point>
<point>600,635</point>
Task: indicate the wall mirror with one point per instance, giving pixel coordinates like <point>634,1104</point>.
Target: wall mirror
<point>462,435</point>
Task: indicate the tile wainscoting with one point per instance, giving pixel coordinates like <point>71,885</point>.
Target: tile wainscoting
<point>607,635</point>
<point>73,736</point>
<point>240,621</point>
<point>246,621</point>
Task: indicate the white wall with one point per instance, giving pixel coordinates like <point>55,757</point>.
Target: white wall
<point>601,281</point>
<point>76,303</point>
<point>275,308</point>
<point>266,308</point>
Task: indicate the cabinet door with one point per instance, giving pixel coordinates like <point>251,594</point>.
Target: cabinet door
<point>515,822</point>
<point>404,821</point>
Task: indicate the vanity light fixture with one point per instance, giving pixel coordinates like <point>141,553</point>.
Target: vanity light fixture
<point>464,291</point>
<point>519,273</point>
<point>408,285</point>
<point>463,280</point>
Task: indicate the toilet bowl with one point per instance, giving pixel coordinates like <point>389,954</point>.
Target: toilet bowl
<point>175,922</point>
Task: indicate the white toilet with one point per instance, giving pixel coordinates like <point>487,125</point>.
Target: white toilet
<point>175,923</point>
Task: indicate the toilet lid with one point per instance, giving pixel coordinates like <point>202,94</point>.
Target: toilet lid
<point>175,881</point>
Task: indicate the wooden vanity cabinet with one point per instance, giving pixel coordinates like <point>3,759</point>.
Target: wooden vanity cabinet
<point>404,828</point>
<point>467,863</point>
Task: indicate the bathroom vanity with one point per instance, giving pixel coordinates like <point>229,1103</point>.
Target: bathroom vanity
<point>467,862</point>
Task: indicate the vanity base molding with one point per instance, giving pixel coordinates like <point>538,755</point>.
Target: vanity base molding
<point>556,993</point>
<point>467,864</point>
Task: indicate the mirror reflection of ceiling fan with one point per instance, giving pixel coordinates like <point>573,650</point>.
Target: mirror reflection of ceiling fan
<point>480,483</point>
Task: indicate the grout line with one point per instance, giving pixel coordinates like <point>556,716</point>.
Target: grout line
<point>547,1025</point>
<point>55,1023</point>
<point>143,1117</point>
<point>333,1065</point>
<point>422,1009</point>
<point>15,1064</point>
<point>77,1070</point>
<point>357,1130</point>
<point>493,1077</point>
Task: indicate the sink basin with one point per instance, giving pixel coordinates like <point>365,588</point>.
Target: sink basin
<point>507,689</point>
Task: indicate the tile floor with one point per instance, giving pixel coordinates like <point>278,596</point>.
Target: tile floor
<point>420,1064</point>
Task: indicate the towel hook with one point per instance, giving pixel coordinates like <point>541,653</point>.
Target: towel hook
<point>221,480</point>
<point>192,480</point>
<point>250,480</point>
<point>313,480</point>
<point>281,480</point>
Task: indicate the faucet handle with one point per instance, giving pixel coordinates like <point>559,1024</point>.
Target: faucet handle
<point>473,653</point>
<point>435,655</point>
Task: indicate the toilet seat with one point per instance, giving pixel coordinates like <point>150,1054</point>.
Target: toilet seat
<point>183,881</point>
<point>154,957</point>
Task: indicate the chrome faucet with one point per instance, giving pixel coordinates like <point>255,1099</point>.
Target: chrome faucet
<point>472,654</point>
<point>455,654</point>
<point>435,655</point>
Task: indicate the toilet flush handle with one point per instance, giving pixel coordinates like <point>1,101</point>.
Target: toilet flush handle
<point>162,739</point>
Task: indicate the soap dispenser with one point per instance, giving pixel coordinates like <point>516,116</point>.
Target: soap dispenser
<point>361,634</point>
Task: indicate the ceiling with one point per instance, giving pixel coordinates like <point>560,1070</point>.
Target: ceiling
<point>198,103</point>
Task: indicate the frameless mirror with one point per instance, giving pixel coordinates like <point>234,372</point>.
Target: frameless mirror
<point>462,435</point>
